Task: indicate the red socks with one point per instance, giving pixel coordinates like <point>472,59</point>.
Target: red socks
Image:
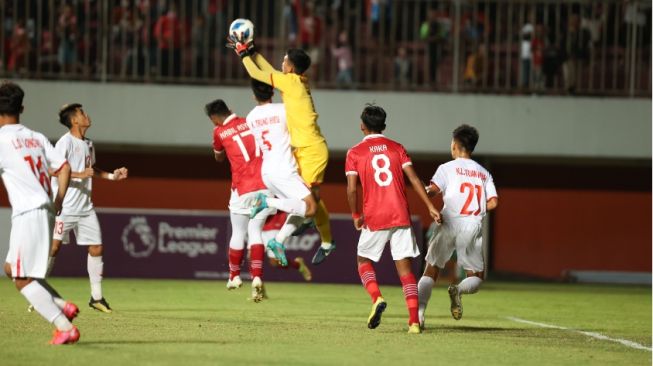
<point>410,293</point>
<point>256,253</point>
<point>235,258</point>
<point>368,277</point>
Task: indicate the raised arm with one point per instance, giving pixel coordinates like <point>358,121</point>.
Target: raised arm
<point>421,192</point>
<point>266,73</point>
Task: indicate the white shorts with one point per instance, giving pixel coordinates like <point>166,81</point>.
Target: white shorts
<point>402,243</point>
<point>465,238</point>
<point>86,228</point>
<point>286,186</point>
<point>29,243</point>
<point>242,204</point>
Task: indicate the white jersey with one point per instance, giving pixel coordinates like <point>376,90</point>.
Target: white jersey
<point>80,155</point>
<point>466,187</point>
<point>268,124</point>
<point>26,157</point>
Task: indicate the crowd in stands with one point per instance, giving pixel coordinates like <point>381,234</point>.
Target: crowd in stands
<point>385,44</point>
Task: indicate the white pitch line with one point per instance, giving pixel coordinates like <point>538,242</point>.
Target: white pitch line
<point>625,342</point>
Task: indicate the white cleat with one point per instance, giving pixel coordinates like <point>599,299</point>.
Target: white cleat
<point>257,289</point>
<point>30,309</point>
<point>234,283</point>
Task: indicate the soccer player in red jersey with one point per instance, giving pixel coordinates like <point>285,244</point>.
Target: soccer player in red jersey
<point>380,163</point>
<point>233,139</point>
<point>272,226</point>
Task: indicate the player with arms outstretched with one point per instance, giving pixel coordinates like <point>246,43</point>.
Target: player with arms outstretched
<point>25,160</point>
<point>468,193</point>
<point>381,163</point>
<point>279,169</point>
<point>310,148</point>
<point>233,139</point>
<point>78,213</point>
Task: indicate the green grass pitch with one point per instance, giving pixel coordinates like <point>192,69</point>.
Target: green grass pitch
<point>159,322</point>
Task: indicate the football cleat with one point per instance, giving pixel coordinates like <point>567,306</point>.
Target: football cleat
<point>303,269</point>
<point>69,337</point>
<point>279,251</point>
<point>456,304</point>
<point>260,204</point>
<point>234,283</point>
<point>100,305</point>
<point>70,310</point>
<point>414,328</point>
<point>257,289</point>
<point>307,224</point>
<point>322,253</point>
<point>378,308</point>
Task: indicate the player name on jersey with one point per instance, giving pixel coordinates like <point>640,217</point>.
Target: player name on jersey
<point>233,130</point>
<point>471,173</point>
<point>26,143</point>
<point>260,122</point>
<point>378,148</point>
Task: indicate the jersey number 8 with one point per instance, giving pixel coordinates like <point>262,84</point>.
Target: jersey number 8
<point>379,170</point>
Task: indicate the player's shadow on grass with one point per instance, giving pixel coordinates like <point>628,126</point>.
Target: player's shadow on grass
<point>150,341</point>
<point>471,329</point>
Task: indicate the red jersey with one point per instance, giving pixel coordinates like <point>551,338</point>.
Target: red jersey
<point>379,162</point>
<point>235,138</point>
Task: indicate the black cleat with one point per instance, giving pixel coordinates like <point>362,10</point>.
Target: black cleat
<point>307,224</point>
<point>322,253</point>
<point>100,305</point>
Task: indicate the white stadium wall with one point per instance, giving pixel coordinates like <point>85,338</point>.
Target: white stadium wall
<point>509,125</point>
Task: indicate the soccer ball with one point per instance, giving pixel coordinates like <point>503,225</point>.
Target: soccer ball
<point>241,29</point>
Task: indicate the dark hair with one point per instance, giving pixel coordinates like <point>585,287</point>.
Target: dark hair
<point>299,59</point>
<point>217,108</point>
<point>67,112</point>
<point>466,136</point>
<point>373,118</point>
<point>11,99</point>
<point>262,91</point>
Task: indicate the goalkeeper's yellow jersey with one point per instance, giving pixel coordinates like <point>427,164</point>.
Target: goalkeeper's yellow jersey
<point>296,95</point>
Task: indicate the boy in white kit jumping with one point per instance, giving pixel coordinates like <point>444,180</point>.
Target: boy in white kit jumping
<point>468,192</point>
<point>78,213</point>
<point>279,169</point>
<point>26,158</point>
<point>381,163</point>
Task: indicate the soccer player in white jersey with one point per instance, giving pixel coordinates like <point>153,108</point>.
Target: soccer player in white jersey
<point>468,192</point>
<point>232,139</point>
<point>380,163</point>
<point>279,169</point>
<point>78,213</point>
<point>25,160</point>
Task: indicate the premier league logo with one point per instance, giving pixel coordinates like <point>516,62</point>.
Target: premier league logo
<point>138,238</point>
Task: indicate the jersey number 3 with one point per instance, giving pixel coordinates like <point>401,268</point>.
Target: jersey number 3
<point>382,173</point>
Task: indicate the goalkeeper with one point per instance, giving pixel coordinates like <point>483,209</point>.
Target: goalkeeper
<point>308,144</point>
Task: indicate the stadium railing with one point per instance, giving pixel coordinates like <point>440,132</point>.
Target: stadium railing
<point>600,47</point>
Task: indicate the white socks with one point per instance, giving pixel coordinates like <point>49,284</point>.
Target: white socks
<point>95,267</point>
<point>43,303</point>
<point>292,223</point>
<point>470,285</point>
<point>424,289</point>
<point>292,206</point>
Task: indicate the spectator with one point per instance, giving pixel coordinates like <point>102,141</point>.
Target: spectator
<point>19,47</point>
<point>526,55</point>
<point>342,53</point>
<point>575,43</point>
<point>167,32</point>
<point>537,50</point>
<point>131,28</point>
<point>474,65</point>
<point>200,47</point>
<point>67,32</point>
<point>433,32</point>
<point>403,68</point>
<point>310,32</point>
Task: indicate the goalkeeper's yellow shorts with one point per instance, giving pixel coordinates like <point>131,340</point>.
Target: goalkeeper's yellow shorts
<point>312,162</point>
